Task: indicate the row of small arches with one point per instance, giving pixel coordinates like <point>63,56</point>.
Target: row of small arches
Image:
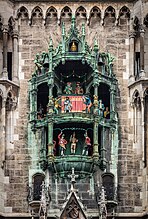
<point>66,13</point>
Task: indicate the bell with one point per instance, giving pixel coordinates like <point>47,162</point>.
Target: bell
<point>73,47</point>
<point>100,61</point>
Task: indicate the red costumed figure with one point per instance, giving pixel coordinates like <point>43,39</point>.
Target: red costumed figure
<point>87,144</point>
<point>62,143</point>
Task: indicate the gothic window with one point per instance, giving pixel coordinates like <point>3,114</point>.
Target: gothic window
<point>104,99</point>
<point>9,101</point>
<point>109,15</point>
<point>37,15</point>
<point>137,65</point>
<point>51,15</point>
<point>9,65</point>
<point>95,15</point>
<point>145,127</point>
<point>42,100</point>
<point>66,13</point>
<point>137,115</point>
<point>109,186</point>
<point>38,179</point>
<point>124,15</point>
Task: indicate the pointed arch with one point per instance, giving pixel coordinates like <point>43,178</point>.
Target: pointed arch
<point>124,12</point>
<point>22,13</point>
<point>37,12</point>
<point>95,16</point>
<point>36,15</point>
<point>81,12</point>
<point>95,12</point>
<point>51,13</point>
<point>66,12</point>
<point>136,98</point>
<point>109,15</point>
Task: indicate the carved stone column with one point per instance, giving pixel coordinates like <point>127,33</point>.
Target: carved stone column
<point>15,56</point>
<point>112,103</point>
<point>132,56</point>
<point>95,138</point>
<point>142,32</point>
<point>5,48</point>
<point>3,128</point>
<point>50,138</point>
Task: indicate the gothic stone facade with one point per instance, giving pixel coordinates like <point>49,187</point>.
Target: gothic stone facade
<point>118,27</point>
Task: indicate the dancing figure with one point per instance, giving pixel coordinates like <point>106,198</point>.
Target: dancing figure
<point>62,143</point>
<point>73,141</point>
<point>57,105</point>
<point>87,102</point>
<point>67,105</point>
<point>87,144</point>
<point>68,88</point>
<point>78,89</point>
<point>100,108</point>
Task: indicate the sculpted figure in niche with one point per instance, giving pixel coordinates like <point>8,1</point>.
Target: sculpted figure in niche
<point>87,102</point>
<point>87,144</point>
<point>73,141</point>
<point>78,89</point>
<point>62,143</point>
<point>68,88</point>
<point>39,65</point>
<point>57,105</point>
<point>67,105</point>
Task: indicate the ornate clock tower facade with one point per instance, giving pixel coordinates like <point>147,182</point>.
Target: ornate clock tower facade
<point>74,109</point>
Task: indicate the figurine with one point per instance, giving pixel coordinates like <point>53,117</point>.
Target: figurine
<point>38,63</point>
<point>40,112</point>
<point>87,144</point>
<point>87,102</point>
<point>106,113</point>
<point>67,105</point>
<point>68,88</point>
<point>62,143</point>
<point>57,105</point>
<point>100,108</point>
<point>73,141</point>
<point>78,89</point>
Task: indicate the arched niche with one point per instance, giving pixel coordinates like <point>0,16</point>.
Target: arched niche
<point>51,15</point>
<point>42,99</point>
<point>95,16</point>
<point>36,16</point>
<point>109,185</point>
<point>73,72</point>
<point>68,129</point>
<point>124,15</point>
<point>109,16</point>
<point>23,15</point>
<point>104,95</point>
<point>66,14</point>
<point>37,181</point>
